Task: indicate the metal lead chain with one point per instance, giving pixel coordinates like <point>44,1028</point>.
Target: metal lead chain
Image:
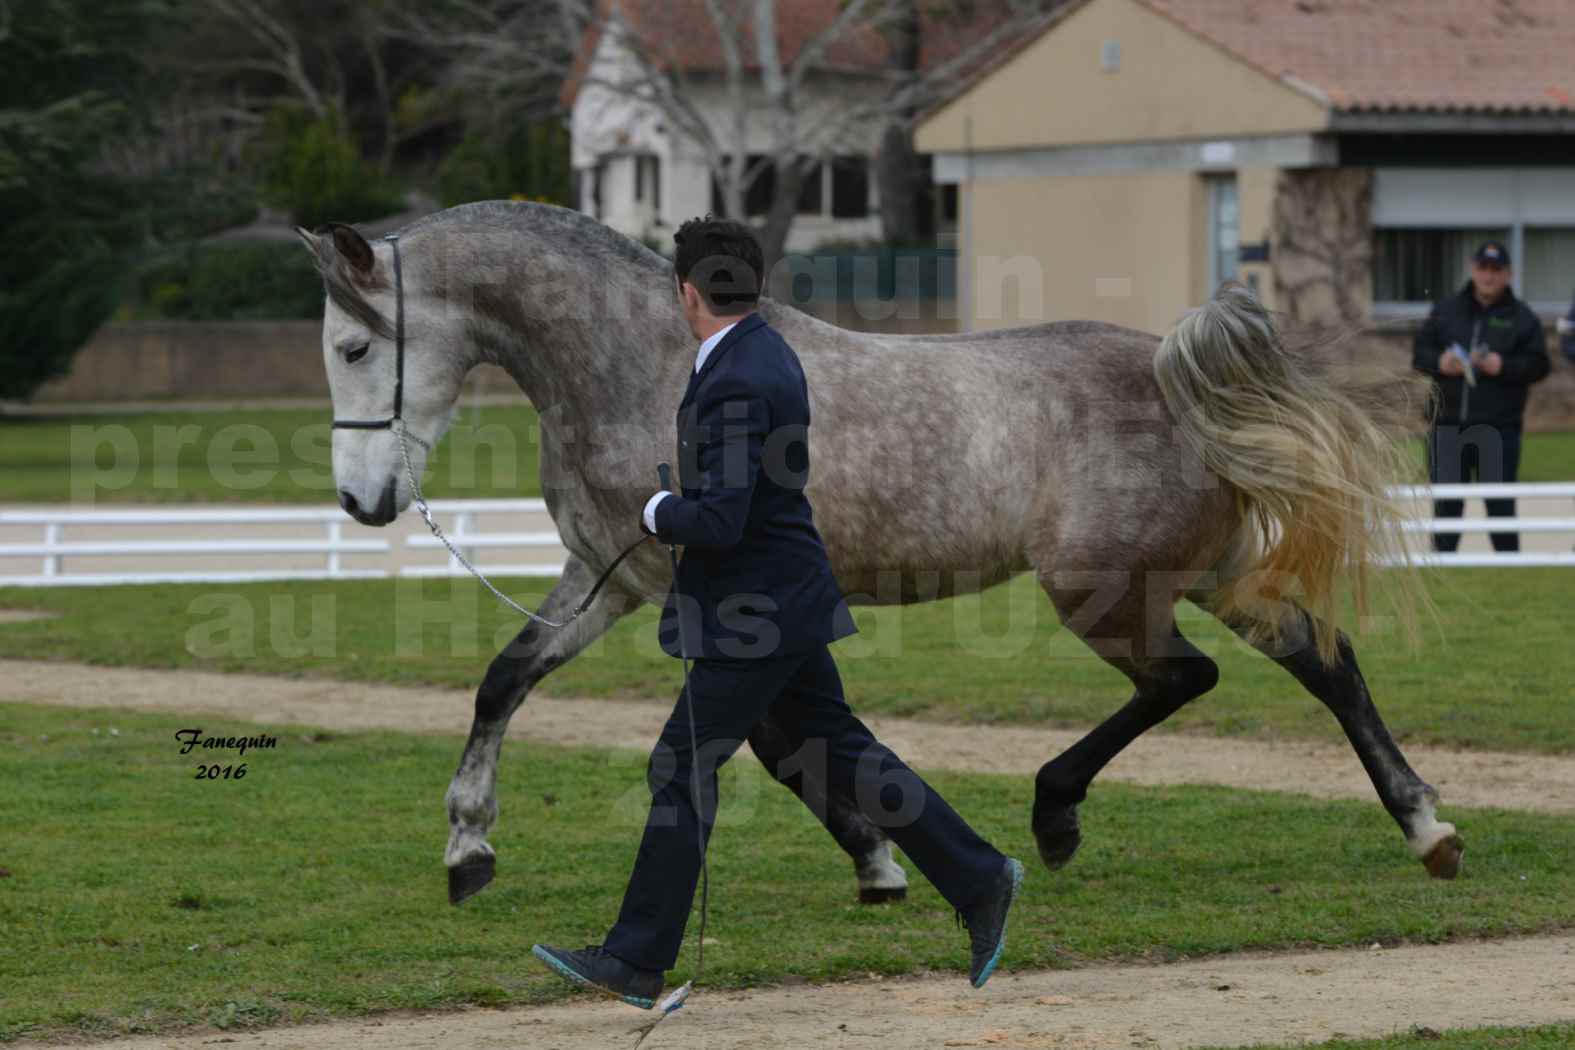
<point>426,513</point>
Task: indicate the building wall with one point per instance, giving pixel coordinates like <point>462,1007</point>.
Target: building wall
<point>1170,84</point>
<point>1257,187</point>
<point>1128,249</point>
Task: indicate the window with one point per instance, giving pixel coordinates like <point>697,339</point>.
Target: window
<point>648,180</point>
<point>810,192</point>
<point>850,187</point>
<point>1425,265</point>
<point>1548,273</point>
<point>758,197</point>
<point>1224,229</point>
<point>1428,221</point>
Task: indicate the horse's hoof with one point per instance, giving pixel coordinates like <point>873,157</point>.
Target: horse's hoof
<point>1443,860</point>
<point>882,894</point>
<point>468,878</point>
<point>1058,835</point>
<point>881,878</point>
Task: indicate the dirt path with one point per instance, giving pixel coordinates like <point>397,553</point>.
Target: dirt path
<point>1217,1002</point>
<point>1465,778</point>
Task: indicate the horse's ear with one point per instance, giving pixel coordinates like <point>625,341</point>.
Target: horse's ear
<point>351,246</point>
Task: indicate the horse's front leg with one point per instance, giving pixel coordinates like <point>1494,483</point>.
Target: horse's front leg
<point>792,761</point>
<point>472,799</point>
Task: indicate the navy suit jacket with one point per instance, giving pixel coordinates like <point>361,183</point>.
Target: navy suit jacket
<point>754,578</point>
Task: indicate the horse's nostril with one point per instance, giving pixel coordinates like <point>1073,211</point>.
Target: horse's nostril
<point>348,502</point>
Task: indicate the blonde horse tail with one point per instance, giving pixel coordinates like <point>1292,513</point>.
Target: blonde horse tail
<point>1311,452</point>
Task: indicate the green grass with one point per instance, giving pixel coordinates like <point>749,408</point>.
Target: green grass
<point>281,456</point>
<point>1550,1037</point>
<point>1494,673</point>
<point>264,456</point>
<point>141,899</point>
<point>1544,456</point>
<point>1548,456</point>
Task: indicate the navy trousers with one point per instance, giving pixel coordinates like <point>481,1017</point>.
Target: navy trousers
<point>1479,453</point>
<point>803,691</point>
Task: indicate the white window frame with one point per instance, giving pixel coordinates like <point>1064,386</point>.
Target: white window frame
<point>1215,181</point>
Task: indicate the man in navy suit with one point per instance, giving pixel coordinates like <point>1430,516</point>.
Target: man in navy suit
<point>755,605</point>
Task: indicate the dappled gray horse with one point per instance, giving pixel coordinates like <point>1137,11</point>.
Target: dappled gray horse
<point>1124,471</point>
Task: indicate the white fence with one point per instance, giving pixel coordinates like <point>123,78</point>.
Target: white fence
<point>1494,490</point>
<point>199,535</point>
<point>469,538</point>
<point>184,533</point>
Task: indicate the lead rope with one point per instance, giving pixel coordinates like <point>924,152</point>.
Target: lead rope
<point>437,530</point>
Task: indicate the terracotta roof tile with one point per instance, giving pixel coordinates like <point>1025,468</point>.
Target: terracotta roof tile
<point>1485,55</point>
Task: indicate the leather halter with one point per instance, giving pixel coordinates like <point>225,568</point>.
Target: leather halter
<point>399,364</point>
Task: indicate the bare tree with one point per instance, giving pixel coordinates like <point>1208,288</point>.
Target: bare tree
<point>760,86</point>
<point>339,59</point>
<point>896,163</point>
<point>278,46</point>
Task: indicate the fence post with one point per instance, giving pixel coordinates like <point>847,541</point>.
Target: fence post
<point>51,538</point>
<point>463,522</point>
<point>334,534</point>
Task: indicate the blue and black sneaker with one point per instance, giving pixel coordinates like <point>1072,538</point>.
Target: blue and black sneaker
<point>986,922</point>
<point>596,967</point>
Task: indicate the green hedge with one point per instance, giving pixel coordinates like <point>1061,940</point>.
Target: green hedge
<point>313,170</point>
<point>227,281</point>
<point>523,161</point>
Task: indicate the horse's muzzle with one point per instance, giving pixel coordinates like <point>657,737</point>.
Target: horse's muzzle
<point>380,515</point>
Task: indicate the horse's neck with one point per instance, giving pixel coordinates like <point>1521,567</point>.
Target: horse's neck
<point>595,358</point>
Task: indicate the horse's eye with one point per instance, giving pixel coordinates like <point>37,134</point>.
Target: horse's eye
<point>355,355</point>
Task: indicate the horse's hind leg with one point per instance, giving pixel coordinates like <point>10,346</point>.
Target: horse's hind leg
<point>789,758</point>
<point>1341,688</point>
<point>1140,638</point>
<point>471,799</point>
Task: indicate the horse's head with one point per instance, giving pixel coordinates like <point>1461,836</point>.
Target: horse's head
<point>362,357</point>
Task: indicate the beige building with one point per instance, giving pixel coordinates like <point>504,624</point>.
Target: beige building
<point>1342,156</point>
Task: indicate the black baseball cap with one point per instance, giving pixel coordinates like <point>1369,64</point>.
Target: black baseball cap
<point>1493,253</point>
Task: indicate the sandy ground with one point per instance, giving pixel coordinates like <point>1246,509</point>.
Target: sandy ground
<point>1232,1001</point>
<point>1464,778</point>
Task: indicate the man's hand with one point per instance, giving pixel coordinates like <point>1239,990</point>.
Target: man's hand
<point>1489,364</point>
<point>1450,365</point>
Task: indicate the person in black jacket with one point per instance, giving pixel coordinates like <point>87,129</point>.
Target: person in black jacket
<point>1484,348</point>
<point>755,604</point>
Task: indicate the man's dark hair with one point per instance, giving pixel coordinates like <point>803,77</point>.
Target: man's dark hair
<point>722,259</point>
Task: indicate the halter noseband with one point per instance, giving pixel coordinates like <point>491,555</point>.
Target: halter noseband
<point>399,364</point>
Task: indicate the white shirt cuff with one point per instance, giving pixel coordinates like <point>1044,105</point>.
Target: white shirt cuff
<point>650,509</point>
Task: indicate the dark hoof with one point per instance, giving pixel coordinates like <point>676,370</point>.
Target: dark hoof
<point>1443,860</point>
<point>1057,832</point>
<point>470,878</point>
<point>882,895</point>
